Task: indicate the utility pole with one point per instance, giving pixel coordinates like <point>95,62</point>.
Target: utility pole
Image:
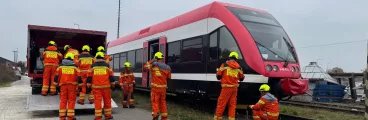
<point>15,55</point>
<point>76,25</point>
<point>366,89</point>
<point>117,36</point>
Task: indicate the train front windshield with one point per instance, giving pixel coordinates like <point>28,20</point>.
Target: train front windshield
<point>270,37</point>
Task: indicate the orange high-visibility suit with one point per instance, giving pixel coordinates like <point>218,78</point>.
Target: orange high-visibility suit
<point>229,73</point>
<point>67,77</point>
<point>84,62</point>
<point>160,72</point>
<point>101,80</point>
<point>51,62</point>
<point>267,108</point>
<point>75,53</point>
<point>107,58</point>
<point>127,81</point>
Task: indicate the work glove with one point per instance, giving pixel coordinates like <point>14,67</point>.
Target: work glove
<point>112,88</point>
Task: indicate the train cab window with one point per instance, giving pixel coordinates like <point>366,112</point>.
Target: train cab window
<point>116,63</point>
<point>213,49</point>
<point>131,58</point>
<point>138,61</point>
<point>123,59</point>
<point>192,50</point>
<point>173,53</point>
<point>227,44</point>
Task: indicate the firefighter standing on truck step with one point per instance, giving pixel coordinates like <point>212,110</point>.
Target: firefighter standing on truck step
<point>267,108</point>
<point>127,83</point>
<point>101,81</point>
<point>160,72</point>
<point>67,77</point>
<point>84,62</point>
<point>229,73</point>
<point>51,58</point>
<point>107,58</point>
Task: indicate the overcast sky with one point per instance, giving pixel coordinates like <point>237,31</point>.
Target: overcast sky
<point>308,23</point>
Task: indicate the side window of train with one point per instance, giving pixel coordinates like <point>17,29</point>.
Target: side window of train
<point>138,61</point>
<point>192,49</point>
<point>213,48</point>
<point>227,44</point>
<point>173,53</point>
<point>123,59</point>
<point>131,58</point>
<point>116,63</point>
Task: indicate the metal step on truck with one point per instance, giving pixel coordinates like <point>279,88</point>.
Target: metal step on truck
<point>38,38</point>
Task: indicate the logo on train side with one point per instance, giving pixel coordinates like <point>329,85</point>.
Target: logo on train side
<point>284,69</point>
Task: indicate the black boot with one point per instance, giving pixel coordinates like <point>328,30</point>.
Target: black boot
<point>132,106</point>
<point>79,102</point>
<point>155,118</point>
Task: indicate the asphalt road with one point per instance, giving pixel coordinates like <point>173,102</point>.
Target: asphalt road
<point>13,102</point>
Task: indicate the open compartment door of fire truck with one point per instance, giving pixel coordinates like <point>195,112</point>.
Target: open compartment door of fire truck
<point>38,38</point>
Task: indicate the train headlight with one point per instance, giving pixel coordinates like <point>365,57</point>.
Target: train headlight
<point>275,68</point>
<point>293,69</point>
<point>296,69</point>
<point>269,68</point>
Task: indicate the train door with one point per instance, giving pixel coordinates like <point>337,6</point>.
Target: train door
<point>149,50</point>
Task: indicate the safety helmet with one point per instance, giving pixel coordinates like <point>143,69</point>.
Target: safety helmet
<point>86,48</point>
<point>100,54</point>
<point>100,49</point>
<point>69,55</point>
<point>234,55</point>
<point>264,88</point>
<point>127,64</point>
<point>52,43</point>
<point>159,55</point>
<point>66,47</point>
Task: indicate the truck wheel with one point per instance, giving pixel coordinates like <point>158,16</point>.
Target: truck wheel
<point>36,90</point>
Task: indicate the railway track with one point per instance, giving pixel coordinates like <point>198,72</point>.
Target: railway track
<point>327,106</point>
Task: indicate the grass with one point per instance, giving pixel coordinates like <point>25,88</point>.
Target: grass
<point>5,84</point>
<point>178,111</point>
<point>318,114</point>
<point>175,111</point>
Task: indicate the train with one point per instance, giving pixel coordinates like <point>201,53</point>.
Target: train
<point>197,42</point>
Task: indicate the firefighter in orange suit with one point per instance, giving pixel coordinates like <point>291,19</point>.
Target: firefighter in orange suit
<point>69,49</point>
<point>67,78</point>
<point>101,80</point>
<point>84,62</point>
<point>127,83</point>
<point>107,58</point>
<point>160,72</point>
<point>51,58</point>
<point>267,108</point>
<point>229,73</point>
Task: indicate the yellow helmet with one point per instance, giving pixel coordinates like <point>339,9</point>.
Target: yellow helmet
<point>159,55</point>
<point>100,54</point>
<point>234,54</point>
<point>264,88</point>
<point>52,43</point>
<point>100,49</point>
<point>66,47</point>
<point>127,64</point>
<point>69,55</point>
<point>86,48</point>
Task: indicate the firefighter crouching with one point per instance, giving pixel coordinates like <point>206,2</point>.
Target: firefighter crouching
<point>84,62</point>
<point>67,78</point>
<point>101,80</point>
<point>127,83</point>
<point>267,108</point>
<point>229,73</point>
<point>160,72</point>
<point>51,58</point>
<point>107,58</point>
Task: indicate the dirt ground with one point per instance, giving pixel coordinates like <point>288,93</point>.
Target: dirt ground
<point>13,102</point>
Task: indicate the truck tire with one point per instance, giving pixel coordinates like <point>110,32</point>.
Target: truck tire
<point>36,90</point>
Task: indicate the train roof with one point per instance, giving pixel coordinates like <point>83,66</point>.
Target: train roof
<point>186,18</point>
